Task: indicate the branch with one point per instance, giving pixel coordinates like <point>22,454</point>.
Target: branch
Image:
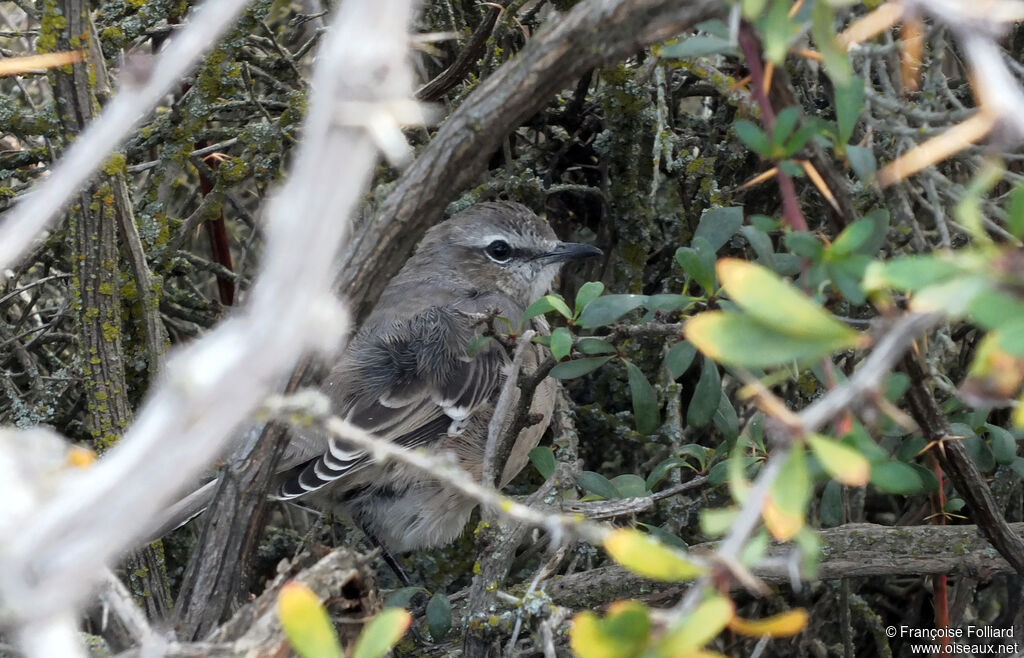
<point>592,33</point>
<point>960,468</point>
<point>63,543</point>
<point>860,550</point>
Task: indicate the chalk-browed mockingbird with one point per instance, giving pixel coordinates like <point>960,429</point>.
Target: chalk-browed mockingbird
<point>406,376</point>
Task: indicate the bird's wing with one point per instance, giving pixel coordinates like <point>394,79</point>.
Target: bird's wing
<point>410,382</point>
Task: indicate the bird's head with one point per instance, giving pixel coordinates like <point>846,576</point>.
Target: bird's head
<point>503,246</point>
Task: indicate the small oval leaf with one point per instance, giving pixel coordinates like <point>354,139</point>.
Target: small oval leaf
<point>306,623</point>
<point>648,558</point>
<point>645,401</point>
<point>578,367</point>
<point>606,310</point>
<point>382,633</point>
<point>543,459</point>
<point>561,343</point>
<point>439,616</point>
<point>778,304</point>
<point>842,462</point>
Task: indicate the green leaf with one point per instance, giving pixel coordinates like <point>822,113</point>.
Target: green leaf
<point>1015,212</point>
<point>776,31</point>
<point>1004,446</point>
<point>842,462</point>
<point>911,273</point>
<point>546,304</point>
<point>831,509</point>
<point>561,343</point>
<point>645,401</point>
<point>849,107</point>
<point>382,633</point>
<point>837,61</point>
<point>403,596</point>
<point>592,345</point>
<point>786,506</point>
<point>578,367</point>
<point>805,245</point>
<point>980,453</point>
<point>598,485</point>
<point>762,245</point>
<point>785,124</point>
<point>587,293</point>
<point>862,161</point>
<point>739,340</point>
<point>694,264</point>
<point>664,536</point>
<point>951,297</point>
<point>725,419</point>
<point>543,459</point>
<point>717,225</point>
<point>662,469</point>
<point>679,358</point>
<point>688,637</point>
<point>852,238</point>
<point>439,616</point>
<point>668,302</point>
<point>622,634</point>
<point>306,623</point>
<point>776,303</point>
<point>1017,466</point>
<point>753,137</point>
<point>954,505</point>
<point>648,558</point>
<point>630,486</point>
<point>896,477</point>
<point>715,522</point>
<point>706,395</point>
<point>697,46</point>
<point>609,308</point>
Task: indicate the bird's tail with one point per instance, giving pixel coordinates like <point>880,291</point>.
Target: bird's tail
<point>184,510</point>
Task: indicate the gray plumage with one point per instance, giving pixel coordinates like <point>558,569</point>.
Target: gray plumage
<point>406,376</point>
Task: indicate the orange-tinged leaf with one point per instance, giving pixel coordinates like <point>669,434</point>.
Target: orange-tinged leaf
<point>17,65</point>
<point>775,302</point>
<point>781,625</point>
<point>740,339</point>
<point>306,623</point>
<point>702,626</point>
<point>623,633</point>
<point>782,524</point>
<point>382,633</point>
<point>842,462</point>
<point>647,557</point>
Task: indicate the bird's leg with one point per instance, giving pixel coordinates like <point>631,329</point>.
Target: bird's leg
<point>389,559</point>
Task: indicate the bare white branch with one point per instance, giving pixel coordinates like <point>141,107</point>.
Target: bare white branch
<point>56,559</point>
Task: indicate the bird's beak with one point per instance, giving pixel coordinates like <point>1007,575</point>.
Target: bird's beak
<point>566,251</point>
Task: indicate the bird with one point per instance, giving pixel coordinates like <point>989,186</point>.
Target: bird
<point>407,376</point>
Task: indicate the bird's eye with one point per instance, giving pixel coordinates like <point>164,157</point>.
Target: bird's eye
<point>499,251</point>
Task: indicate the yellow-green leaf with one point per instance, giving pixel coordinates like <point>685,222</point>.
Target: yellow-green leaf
<point>740,340</point>
<point>649,558</point>
<point>781,625</point>
<point>778,304</point>
<point>842,462</point>
<point>382,633</point>
<point>785,506</point>
<point>704,625</point>
<point>306,623</point>
<point>623,633</point>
